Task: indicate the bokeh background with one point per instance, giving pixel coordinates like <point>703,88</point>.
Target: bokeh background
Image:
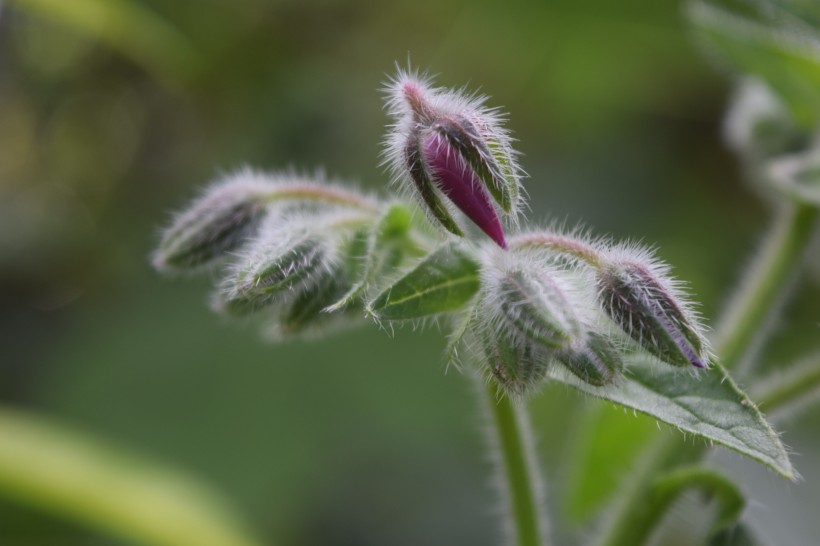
<point>361,439</point>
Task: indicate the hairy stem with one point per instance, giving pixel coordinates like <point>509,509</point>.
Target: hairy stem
<point>323,193</point>
<point>510,428</point>
<point>766,286</point>
<point>562,244</point>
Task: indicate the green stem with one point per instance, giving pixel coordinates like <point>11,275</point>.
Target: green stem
<point>789,387</point>
<point>767,284</point>
<point>324,193</point>
<point>510,425</point>
<point>559,243</point>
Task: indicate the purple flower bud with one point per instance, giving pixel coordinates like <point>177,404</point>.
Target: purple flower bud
<point>453,149</point>
<point>460,183</point>
<point>647,305</point>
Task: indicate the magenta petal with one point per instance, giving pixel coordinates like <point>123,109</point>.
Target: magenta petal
<point>462,186</point>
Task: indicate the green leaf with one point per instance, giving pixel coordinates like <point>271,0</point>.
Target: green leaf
<point>774,40</point>
<point>389,243</point>
<point>602,449</point>
<point>708,405</point>
<point>729,498</point>
<point>75,476</point>
<point>442,282</point>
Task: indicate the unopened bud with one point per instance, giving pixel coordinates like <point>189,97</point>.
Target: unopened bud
<point>274,273</point>
<point>224,218</point>
<point>534,307</point>
<point>307,316</point>
<point>450,145</point>
<point>460,183</point>
<point>646,305</point>
<point>518,368</point>
<point>596,361</point>
<point>523,319</point>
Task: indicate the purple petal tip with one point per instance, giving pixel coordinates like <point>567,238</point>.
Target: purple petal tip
<point>462,186</point>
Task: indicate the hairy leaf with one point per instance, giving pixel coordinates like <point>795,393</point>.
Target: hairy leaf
<point>708,405</point>
<point>442,282</point>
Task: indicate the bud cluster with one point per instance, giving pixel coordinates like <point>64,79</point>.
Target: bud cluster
<point>558,299</point>
<point>529,317</point>
<point>287,248</point>
<point>304,256</point>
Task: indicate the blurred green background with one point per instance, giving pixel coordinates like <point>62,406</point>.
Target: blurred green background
<point>109,122</point>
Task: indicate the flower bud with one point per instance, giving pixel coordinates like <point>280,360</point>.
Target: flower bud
<point>518,368</point>
<point>275,273</point>
<point>639,297</point>
<point>535,308</point>
<point>460,183</point>
<point>226,216</point>
<point>596,361</point>
<point>308,317</point>
<point>450,145</point>
<point>523,319</point>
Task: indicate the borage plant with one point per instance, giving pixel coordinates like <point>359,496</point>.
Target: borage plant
<point>524,306</point>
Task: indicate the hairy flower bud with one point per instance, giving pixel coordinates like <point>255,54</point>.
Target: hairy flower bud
<point>524,318</point>
<point>596,361</point>
<point>516,367</point>
<point>638,295</point>
<point>226,216</point>
<point>307,315</point>
<point>275,272</point>
<point>461,185</point>
<point>450,145</point>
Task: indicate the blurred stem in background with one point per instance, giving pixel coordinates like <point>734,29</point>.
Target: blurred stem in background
<point>762,293</point>
<point>66,473</point>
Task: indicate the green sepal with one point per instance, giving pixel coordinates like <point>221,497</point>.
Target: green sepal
<point>425,187</point>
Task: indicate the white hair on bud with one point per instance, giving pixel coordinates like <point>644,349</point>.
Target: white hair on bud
<point>192,228</point>
<point>499,314</point>
<point>284,233</point>
<point>671,288</point>
<point>440,101</point>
